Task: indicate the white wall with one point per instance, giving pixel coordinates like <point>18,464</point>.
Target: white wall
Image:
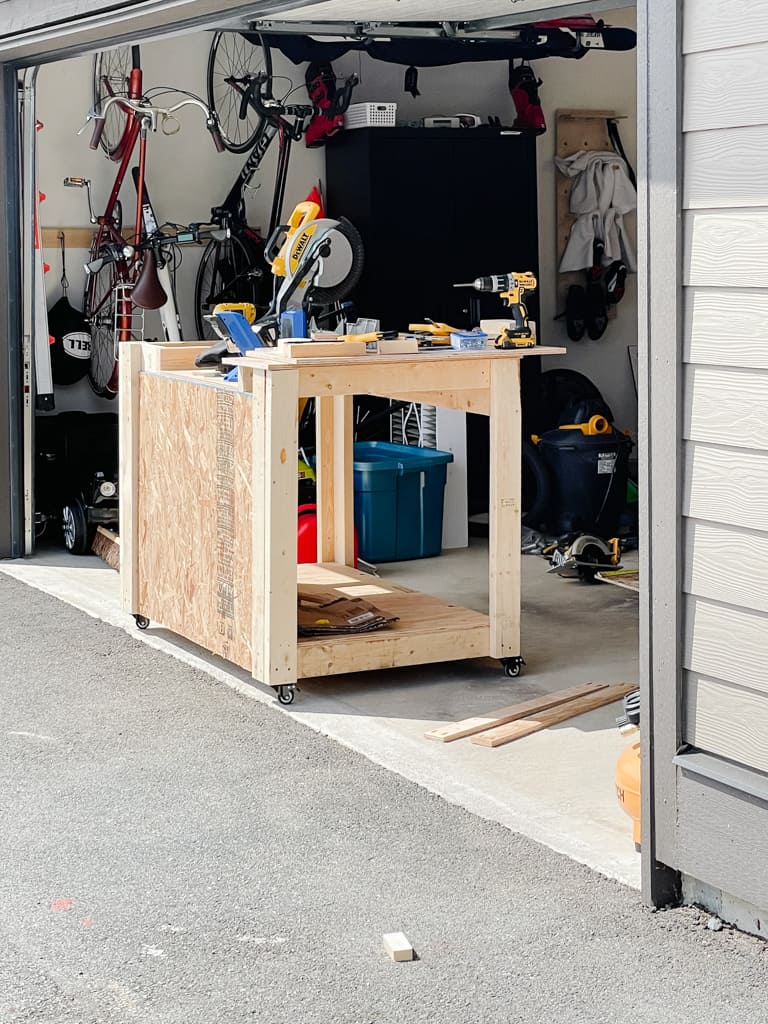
<point>599,81</point>
<point>186,175</point>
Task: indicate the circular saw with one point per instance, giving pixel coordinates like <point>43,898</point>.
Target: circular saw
<point>583,557</point>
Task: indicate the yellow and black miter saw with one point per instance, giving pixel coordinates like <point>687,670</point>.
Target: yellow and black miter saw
<point>316,261</point>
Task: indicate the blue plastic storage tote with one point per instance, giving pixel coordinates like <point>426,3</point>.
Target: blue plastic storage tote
<point>398,500</point>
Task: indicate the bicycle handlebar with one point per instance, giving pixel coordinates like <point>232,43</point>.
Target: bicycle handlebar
<point>267,106</point>
<point>273,110</point>
<point>153,115</point>
<point>190,234</point>
<point>98,131</point>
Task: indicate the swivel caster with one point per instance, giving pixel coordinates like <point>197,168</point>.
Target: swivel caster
<point>513,666</point>
<point>286,694</point>
<point>142,622</point>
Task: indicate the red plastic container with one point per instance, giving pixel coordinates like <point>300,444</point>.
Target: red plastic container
<point>307,535</point>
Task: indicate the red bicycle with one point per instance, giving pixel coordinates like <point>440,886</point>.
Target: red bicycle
<point>134,270</point>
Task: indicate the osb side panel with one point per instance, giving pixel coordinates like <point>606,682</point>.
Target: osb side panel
<point>194,545</point>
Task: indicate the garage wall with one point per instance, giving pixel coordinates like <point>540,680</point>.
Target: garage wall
<point>186,175</point>
<point>599,81</point>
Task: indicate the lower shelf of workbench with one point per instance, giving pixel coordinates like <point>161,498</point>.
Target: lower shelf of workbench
<point>428,629</point>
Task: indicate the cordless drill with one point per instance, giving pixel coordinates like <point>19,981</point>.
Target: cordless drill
<point>512,287</point>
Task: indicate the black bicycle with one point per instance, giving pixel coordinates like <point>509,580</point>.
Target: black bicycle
<point>241,93</point>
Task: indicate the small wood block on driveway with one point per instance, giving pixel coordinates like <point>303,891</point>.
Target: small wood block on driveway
<point>398,947</point>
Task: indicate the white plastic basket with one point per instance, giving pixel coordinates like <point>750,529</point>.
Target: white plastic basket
<point>371,115</point>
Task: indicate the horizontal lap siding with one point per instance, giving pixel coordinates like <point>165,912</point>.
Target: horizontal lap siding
<point>715,25</point>
<point>727,720</point>
<point>726,485</point>
<point>725,381</point>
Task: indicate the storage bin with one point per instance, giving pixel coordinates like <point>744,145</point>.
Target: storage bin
<point>398,500</point>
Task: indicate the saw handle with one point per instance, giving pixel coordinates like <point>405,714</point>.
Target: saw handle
<point>274,243</point>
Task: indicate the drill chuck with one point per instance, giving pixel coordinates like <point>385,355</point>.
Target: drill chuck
<point>495,283</point>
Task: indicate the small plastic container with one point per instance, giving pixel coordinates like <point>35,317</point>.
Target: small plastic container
<point>468,341</point>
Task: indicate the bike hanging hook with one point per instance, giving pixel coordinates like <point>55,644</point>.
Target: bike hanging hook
<point>64,278</point>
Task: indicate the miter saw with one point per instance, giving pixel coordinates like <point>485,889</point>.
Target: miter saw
<point>316,261</point>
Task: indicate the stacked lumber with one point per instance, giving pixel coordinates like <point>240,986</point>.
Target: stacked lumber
<point>507,724</point>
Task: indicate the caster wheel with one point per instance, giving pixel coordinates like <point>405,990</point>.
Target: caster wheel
<point>513,666</point>
<point>286,694</point>
<point>141,621</point>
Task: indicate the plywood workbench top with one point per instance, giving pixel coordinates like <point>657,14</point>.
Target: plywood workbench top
<point>271,358</point>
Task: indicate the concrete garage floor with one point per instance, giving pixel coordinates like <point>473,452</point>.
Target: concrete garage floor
<point>555,786</point>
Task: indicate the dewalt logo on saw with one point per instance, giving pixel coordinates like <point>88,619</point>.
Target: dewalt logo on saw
<point>299,246</point>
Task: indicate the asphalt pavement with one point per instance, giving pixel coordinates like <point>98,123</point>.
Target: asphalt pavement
<point>172,852</point>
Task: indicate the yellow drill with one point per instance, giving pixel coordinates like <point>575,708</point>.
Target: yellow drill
<point>512,287</point>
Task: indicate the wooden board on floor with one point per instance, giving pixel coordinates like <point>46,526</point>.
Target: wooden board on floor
<point>471,726</point>
<point>516,730</point>
<point>628,579</point>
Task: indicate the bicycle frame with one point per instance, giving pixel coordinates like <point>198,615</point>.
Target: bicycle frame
<point>233,204</point>
<point>136,131</point>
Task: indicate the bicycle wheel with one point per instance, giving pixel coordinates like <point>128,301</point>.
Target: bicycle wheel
<point>229,271</point>
<point>111,70</point>
<point>99,311</point>
<point>233,62</point>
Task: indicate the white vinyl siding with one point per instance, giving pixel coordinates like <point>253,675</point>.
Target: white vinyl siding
<point>725,380</point>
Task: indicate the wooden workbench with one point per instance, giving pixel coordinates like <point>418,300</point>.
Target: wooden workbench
<point>208,506</point>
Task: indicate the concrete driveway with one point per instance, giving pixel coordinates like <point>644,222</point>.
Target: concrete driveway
<point>174,853</point>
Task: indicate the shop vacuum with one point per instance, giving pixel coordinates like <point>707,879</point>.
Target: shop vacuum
<point>587,461</point>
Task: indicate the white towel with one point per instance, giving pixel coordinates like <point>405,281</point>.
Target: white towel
<point>602,193</point>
